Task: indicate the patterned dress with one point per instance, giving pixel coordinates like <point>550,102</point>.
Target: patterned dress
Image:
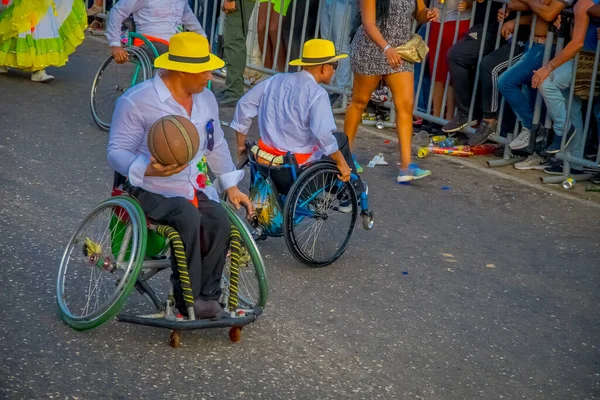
<point>367,58</point>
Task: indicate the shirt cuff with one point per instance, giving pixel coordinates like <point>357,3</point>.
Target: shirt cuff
<point>229,180</point>
<point>239,128</point>
<point>330,149</point>
<point>137,171</point>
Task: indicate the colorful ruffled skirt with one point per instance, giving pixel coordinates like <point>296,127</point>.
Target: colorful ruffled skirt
<point>58,30</point>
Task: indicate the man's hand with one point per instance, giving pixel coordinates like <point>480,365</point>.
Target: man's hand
<point>119,54</point>
<point>433,14</point>
<point>345,170</point>
<point>238,199</point>
<point>503,13</point>
<point>558,22</point>
<point>507,29</point>
<point>157,169</point>
<point>229,7</point>
<point>540,76</point>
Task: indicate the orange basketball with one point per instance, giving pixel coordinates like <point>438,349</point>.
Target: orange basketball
<point>173,140</point>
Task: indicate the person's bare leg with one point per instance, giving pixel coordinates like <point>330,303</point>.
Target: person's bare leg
<point>450,103</point>
<point>361,94</point>
<point>273,28</point>
<point>262,32</point>
<point>438,96</point>
<point>401,85</point>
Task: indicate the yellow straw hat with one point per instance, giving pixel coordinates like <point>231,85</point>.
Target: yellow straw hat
<point>317,52</point>
<point>189,52</point>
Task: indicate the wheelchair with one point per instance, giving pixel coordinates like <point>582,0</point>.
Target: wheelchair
<point>116,249</point>
<point>112,79</point>
<point>316,228</point>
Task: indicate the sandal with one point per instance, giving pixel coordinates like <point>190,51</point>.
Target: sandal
<point>93,10</point>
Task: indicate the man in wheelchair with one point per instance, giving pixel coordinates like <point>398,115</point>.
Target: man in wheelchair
<point>158,20</point>
<point>181,196</point>
<point>294,113</point>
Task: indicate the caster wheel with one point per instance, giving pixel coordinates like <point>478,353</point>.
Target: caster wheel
<point>368,220</point>
<point>175,339</point>
<point>380,125</point>
<point>235,334</point>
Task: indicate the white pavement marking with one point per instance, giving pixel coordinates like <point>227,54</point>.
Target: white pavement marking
<point>490,171</point>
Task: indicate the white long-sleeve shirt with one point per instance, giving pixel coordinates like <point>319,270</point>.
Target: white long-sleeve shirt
<point>158,18</point>
<point>294,114</point>
<point>128,153</point>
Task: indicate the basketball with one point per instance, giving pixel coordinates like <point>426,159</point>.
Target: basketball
<point>173,139</point>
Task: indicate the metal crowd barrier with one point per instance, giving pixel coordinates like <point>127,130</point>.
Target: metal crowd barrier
<point>212,19</point>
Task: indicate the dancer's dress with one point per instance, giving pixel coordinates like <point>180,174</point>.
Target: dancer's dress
<point>47,43</point>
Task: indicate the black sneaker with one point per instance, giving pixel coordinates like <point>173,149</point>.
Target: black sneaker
<point>458,122</point>
<point>557,169</point>
<point>556,142</point>
<point>483,133</point>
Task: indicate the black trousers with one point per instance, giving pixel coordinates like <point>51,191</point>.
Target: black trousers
<point>492,66</point>
<point>462,61</point>
<point>205,235</point>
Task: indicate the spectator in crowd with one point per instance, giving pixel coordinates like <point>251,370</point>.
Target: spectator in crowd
<point>426,84</point>
<point>207,16</point>
<point>453,12</point>
<point>292,36</point>
<point>492,67</point>
<point>234,49</point>
<point>555,89</point>
<point>385,25</point>
<point>521,73</point>
<point>335,25</point>
<point>156,19</point>
<point>271,12</point>
<point>462,60</point>
<point>34,37</point>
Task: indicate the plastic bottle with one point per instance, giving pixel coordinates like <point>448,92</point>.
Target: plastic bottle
<point>421,139</point>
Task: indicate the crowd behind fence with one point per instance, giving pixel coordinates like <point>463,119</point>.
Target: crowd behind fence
<point>282,27</point>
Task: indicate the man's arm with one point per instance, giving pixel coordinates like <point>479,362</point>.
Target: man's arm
<point>568,52</point>
<point>126,135</point>
<point>246,109</point>
<point>594,12</point>
<point>190,21</point>
<point>547,12</point>
<point>322,125</point>
<point>121,10</point>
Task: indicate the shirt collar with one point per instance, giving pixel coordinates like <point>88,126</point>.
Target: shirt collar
<point>309,75</point>
<point>163,91</point>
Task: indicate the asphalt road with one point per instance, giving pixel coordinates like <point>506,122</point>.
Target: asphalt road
<point>488,290</point>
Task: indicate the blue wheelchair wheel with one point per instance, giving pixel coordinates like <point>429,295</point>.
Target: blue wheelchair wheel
<point>319,215</point>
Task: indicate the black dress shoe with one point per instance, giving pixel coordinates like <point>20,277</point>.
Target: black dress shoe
<point>208,309</point>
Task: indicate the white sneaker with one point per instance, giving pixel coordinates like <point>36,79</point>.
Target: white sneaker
<point>534,161</point>
<point>41,76</point>
<point>521,141</point>
<point>3,70</point>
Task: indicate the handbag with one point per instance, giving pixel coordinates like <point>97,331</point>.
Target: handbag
<point>414,50</point>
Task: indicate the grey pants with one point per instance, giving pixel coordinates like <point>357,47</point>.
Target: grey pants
<point>205,235</point>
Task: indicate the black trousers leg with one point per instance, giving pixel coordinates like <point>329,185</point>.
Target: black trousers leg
<point>492,66</point>
<point>462,58</point>
<point>205,236</point>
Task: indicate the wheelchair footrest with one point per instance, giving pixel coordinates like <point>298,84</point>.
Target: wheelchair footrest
<point>161,322</point>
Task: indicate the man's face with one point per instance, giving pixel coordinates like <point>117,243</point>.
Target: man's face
<point>195,83</point>
<point>328,71</point>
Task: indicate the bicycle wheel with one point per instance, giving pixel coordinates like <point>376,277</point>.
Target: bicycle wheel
<point>252,287</point>
<point>101,263</point>
<point>112,80</point>
<point>319,215</point>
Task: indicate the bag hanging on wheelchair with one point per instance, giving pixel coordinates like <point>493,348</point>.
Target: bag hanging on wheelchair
<point>264,198</point>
